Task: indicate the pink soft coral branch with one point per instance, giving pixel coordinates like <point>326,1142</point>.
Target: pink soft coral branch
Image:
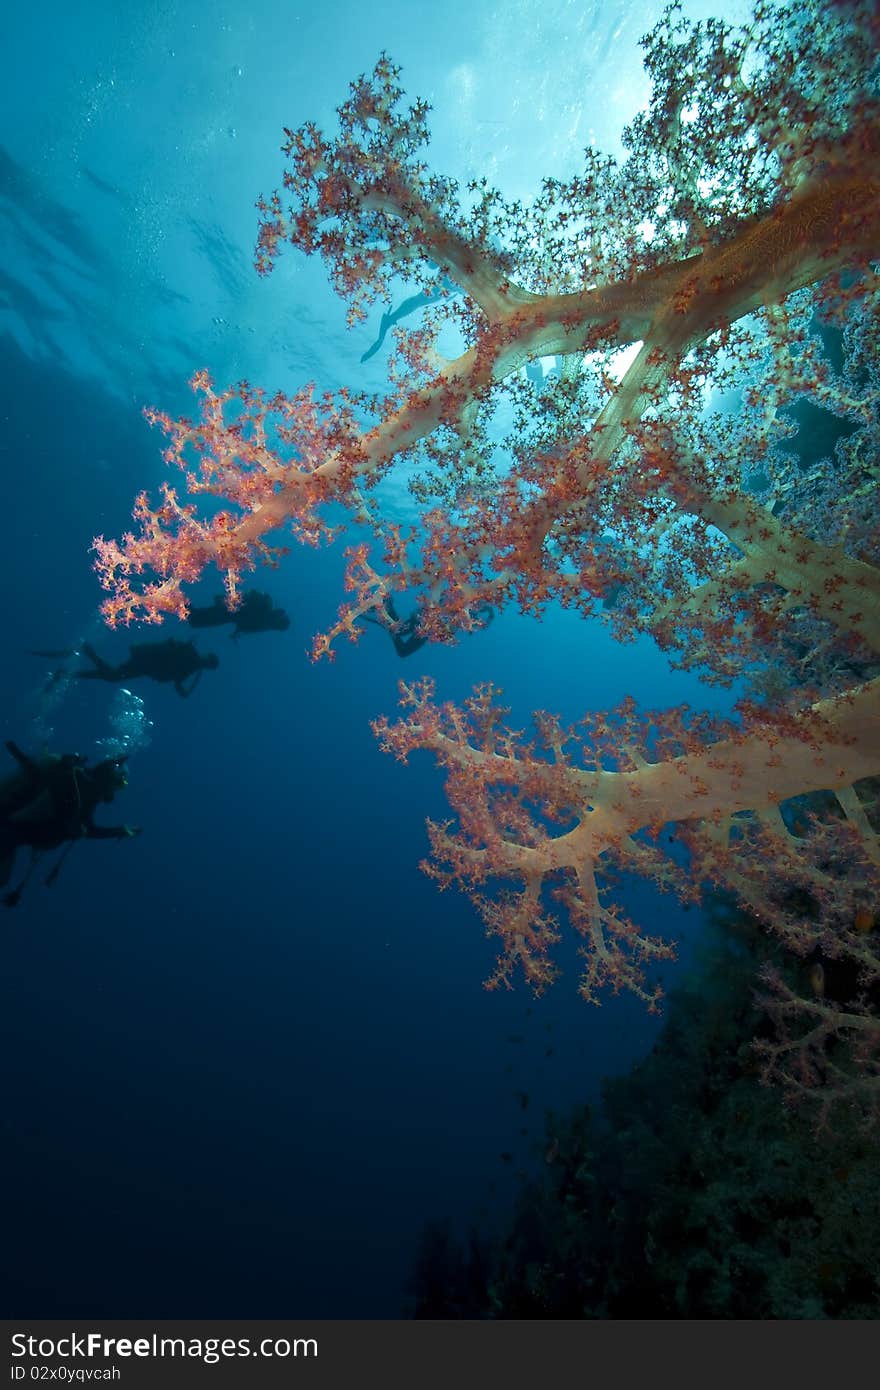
<point>508,794</point>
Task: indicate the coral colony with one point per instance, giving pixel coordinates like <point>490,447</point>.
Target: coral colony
<point>733,251</point>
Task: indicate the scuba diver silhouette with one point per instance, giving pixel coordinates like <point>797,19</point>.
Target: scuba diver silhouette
<point>404,632</point>
<point>168,662</point>
<point>51,801</point>
<point>409,306</point>
<point>255,613</point>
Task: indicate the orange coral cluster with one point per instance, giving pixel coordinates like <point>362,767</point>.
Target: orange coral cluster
<point>746,214</point>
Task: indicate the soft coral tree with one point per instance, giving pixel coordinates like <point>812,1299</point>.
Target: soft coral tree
<point>746,211</point>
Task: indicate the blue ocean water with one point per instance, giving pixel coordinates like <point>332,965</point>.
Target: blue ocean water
<point>249,1053</point>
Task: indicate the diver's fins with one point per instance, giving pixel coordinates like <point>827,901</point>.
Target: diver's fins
<point>384,326</point>
<point>7,860</point>
<point>56,867</point>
